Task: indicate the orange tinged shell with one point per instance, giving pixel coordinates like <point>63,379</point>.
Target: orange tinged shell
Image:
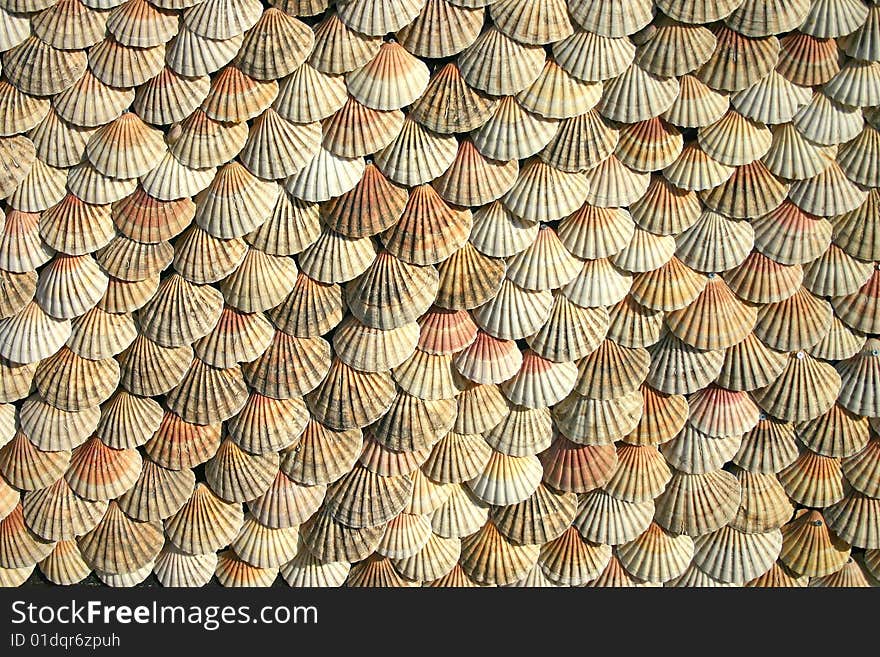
<point>578,468</point>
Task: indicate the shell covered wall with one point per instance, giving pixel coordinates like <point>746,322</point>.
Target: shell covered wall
<point>440,292</point>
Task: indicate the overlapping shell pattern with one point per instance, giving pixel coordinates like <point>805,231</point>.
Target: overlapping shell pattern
<point>440,292</point>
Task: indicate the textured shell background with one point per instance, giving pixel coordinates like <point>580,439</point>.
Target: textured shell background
<point>440,292</point>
